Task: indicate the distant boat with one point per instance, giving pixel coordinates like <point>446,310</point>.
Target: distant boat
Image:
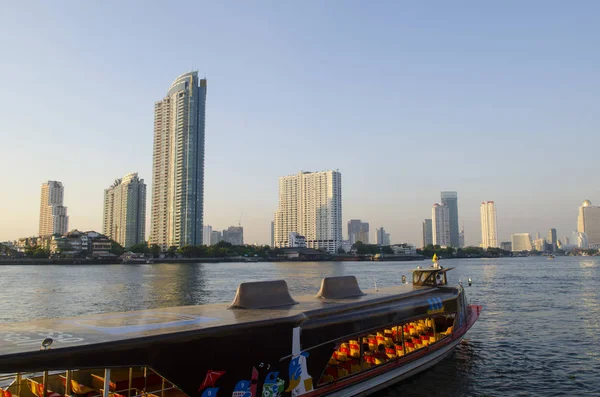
<point>550,256</point>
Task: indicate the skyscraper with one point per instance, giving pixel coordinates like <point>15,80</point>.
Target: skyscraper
<point>206,234</point>
<point>53,216</point>
<point>461,237</point>
<point>383,238</point>
<point>450,200</point>
<point>552,239</point>
<point>310,203</point>
<point>440,215</point>
<point>358,231</point>
<point>521,242</point>
<point>427,233</point>
<point>124,215</point>
<point>489,231</point>
<point>588,222</point>
<point>272,234</point>
<point>234,235</point>
<point>178,164</point>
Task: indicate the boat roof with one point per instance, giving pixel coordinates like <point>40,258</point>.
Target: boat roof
<point>27,337</point>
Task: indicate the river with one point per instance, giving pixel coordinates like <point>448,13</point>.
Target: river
<point>538,335</point>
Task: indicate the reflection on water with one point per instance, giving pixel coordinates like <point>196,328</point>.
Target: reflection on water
<point>538,333</point>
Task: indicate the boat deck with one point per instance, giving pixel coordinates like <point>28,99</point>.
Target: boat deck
<point>25,337</point>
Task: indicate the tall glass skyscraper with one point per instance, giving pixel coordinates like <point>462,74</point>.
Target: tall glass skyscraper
<point>450,200</point>
<point>178,164</point>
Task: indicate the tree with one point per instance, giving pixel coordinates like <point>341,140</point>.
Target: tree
<point>172,251</point>
<point>155,250</point>
<point>386,249</point>
<point>141,248</point>
<point>116,248</point>
<point>40,252</point>
<point>341,251</point>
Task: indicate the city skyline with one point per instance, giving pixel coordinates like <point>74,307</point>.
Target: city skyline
<point>450,97</point>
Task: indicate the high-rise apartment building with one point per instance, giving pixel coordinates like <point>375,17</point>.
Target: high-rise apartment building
<point>358,231</point>
<point>310,203</point>
<point>588,222</point>
<point>427,232</point>
<point>440,230</point>
<point>450,200</point>
<point>272,234</point>
<point>206,234</point>
<point>521,242</point>
<point>178,164</point>
<point>234,235</point>
<point>124,215</point>
<point>489,231</point>
<point>461,237</point>
<point>216,237</point>
<point>53,215</point>
<point>552,239</point>
<point>383,238</point>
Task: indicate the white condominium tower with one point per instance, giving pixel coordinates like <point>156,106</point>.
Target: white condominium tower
<point>53,216</point>
<point>489,231</point>
<point>440,225</point>
<point>310,204</point>
<point>124,216</point>
<point>178,164</point>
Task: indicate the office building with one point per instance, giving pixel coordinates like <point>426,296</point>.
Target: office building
<point>427,232</point>
<point>567,241</point>
<point>552,239</point>
<point>206,234</point>
<point>234,235</point>
<point>588,222</point>
<point>358,231</point>
<point>461,237</point>
<point>450,200</point>
<point>178,164</point>
<point>53,215</point>
<point>506,245</point>
<point>383,238</point>
<point>521,242</point>
<point>310,203</point>
<point>124,215</point>
<point>489,231</point>
<point>440,229</point>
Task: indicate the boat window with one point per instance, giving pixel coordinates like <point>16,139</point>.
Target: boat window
<point>121,382</point>
<point>385,345</point>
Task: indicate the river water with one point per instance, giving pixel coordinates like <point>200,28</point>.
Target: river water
<point>538,335</point>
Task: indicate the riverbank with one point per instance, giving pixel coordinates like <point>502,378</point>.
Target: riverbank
<point>236,259</point>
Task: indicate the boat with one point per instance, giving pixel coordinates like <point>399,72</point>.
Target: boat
<point>130,258</point>
<point>343,341</point>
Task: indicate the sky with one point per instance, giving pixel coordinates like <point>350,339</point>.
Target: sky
<point>495,100</point>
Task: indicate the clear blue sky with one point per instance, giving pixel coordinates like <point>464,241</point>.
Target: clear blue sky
<point>498,101</point>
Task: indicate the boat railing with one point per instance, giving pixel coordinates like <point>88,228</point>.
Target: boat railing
<point>101,382</point>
